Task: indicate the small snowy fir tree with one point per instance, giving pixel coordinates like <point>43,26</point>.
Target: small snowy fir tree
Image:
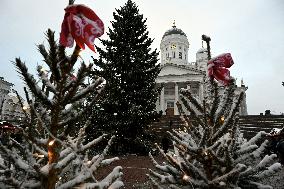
<point>210,152</point>
<point>53,154</point>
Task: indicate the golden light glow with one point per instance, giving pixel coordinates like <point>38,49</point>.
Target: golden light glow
<point>38,155</point>
<point>222,120</point>
<point>78,52</point>
<point>51,142</point>
<point>185,177</point>
<point>25,108</point>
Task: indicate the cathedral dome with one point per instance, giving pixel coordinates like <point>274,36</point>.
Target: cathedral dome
<point>174,30</point>
<point>174,47</point>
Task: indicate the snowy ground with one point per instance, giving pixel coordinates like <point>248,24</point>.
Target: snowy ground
<point>135,169</point>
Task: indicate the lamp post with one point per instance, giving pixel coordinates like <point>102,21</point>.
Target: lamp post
<point>207,39</point>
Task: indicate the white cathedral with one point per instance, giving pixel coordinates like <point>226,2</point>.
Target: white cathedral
<point>177,72</point>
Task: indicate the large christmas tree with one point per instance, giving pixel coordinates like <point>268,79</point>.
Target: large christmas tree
<point>130,68</point>
<point>53,153</point>
<point>209,151</point>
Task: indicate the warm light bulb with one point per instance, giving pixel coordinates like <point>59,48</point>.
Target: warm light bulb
<point>79,52</point>
<point>185,177</point>
<point>40,155</point>
<point>222,118</point>
<point>25,108</point>
<point>51,142</point>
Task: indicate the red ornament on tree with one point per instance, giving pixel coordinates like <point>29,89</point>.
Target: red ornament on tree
<point>217,68</point>
<point>82,24</point>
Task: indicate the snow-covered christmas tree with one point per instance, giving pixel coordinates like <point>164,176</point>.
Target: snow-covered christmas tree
<point>53,153</point>
<point>210,151</point>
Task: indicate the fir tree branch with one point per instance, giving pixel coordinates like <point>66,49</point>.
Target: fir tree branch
<point>192,100</point>
<point>46,81</point>
<point>87,90</point>
<point>31,82</point>
<point>194,171</point>
<point>73,86</point>
<point>189,109</point>
<point>229,120</point>
<point>66,124</point>
<point>216,101</point>
<point>233,174</point>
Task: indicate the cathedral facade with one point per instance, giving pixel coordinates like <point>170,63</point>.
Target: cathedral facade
<point>177,72</point>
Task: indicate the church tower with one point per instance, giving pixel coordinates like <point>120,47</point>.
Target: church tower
<point>174,47</point>
<point>202,59</point>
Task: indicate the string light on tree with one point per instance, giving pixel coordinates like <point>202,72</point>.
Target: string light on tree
<point>186,178</point>
<point>51,142</point>
<point>222,120</point>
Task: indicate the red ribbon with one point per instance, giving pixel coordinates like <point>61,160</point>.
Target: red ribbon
<point>82,24</point>
<point>217,68</point>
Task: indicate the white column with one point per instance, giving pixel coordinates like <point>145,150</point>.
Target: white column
<point>176,99</point>
<point>162,100</point>
<point>201,91</point>
<point>158,104</point>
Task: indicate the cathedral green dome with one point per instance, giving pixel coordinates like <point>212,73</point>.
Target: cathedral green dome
<point>174,30</point>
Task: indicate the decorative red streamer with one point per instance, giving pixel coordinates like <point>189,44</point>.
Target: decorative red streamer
<point>82,24</point>
<point>217,68</point>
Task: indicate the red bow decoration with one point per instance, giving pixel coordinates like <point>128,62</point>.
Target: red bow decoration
<point>82,24</point>
<point>217,68</point>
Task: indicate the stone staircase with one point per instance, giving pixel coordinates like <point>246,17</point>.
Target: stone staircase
<point>166,123</point>
<point>250,125</point>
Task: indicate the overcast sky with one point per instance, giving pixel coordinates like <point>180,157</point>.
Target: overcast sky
<point>251,30</point>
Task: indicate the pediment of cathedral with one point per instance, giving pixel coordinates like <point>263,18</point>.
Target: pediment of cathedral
<point>173,69</point>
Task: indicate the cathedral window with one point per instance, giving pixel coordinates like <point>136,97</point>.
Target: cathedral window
<point>185,56</point>
<point>174,54</point>
<point>180,55</point>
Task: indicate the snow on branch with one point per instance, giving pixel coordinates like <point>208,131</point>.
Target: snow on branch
<point>73,86</point>
<point>18,161</point>
<point>31,82</point>
<point>271,170</point>
<point>45,80</point>
<point>87,90</point>
<point>254,139</point>
<point>230,120</point>
<point>228,176</point>
<point>93,142</point>
<point>195,103</point>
